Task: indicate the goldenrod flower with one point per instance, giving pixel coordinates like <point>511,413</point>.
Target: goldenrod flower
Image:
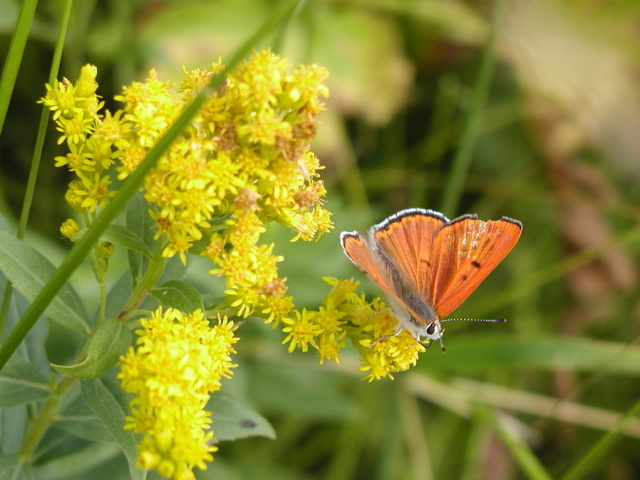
<point>75,195</point>
<point>302,331</point>
<point>69,228</point>
<point>87,86</point>
<point>244,161</point>
<point>61,99</point>
<point>95,192</point>
<point>75,130</point>
<point>178,362</point>
<point>331,338</point>
<point>76,162</point>
<point>105,250</point>
<point>75,111</point>
<point>274,304</point>
<point>369,325</point>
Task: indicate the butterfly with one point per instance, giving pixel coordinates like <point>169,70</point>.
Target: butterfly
<point>428,265</point>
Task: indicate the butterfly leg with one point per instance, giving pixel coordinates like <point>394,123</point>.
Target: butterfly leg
<point>398,332</point>
<point>380,311</point>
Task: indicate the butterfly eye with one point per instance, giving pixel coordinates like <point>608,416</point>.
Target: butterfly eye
<point>431,329</point>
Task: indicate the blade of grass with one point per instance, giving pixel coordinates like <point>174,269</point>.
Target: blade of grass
<point>462,158</point>
<point>464,405</point>
<point>544,406</point>
<point>459,398</point>
<point>603,446</point>
<point>415,438</point>
<point>127,191</point>
<point>281,31</point>
<point>44,117</point>
<point>37,151</point>
<point>14,56</point>
<point>520,451</point>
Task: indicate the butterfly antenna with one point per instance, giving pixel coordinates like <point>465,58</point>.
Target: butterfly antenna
<point>489,320</point>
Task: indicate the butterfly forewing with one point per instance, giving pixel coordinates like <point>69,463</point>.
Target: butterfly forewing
<point>358,252</point>
<point>406,239</point>
<point>465,251</point>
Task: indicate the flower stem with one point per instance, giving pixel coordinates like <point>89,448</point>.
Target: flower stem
<point>151,276</point>
<point>44,419</point>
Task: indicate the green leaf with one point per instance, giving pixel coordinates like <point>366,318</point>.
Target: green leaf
<point>179,295</point>
<point>318,394</point>
<point>13,467</point>
<point>14,425</point>
<point>32,349</point>
<point>20,383</point>
<point>118,295</point>
<point>105,397</point>
<point>78,419</point>
<point>127,238</point>
<point>83,464</point>
<point>109,342</point>
<point>140,223</point>
<point>28,270</point>
<point>474,352</point>
<point>232,421</point>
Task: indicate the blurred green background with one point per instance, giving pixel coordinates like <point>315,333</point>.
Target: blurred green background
<point>556,146</point>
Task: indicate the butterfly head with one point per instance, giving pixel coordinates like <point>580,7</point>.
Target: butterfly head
<point>433,331</point>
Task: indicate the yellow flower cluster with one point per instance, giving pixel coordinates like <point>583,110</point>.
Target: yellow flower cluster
<point>179,361</point>
<point>92,149</point>
<point>261,124</point>
<point>346,314</point>
<point>243,162</point>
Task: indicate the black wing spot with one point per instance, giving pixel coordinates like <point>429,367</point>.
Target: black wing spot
<point>476,264</point>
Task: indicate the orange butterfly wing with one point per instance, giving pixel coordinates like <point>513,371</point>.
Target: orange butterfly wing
<point>406,239</point>
<point>466,250</point>
<point>358,252</point>
<point>396,255</point>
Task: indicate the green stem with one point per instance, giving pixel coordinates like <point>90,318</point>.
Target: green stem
<point>43,420</point>
<point>149,280</point>
<point>103,291</point>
